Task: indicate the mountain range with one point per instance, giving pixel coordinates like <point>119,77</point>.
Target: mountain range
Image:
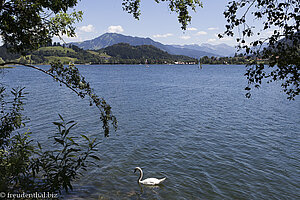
<point>194,51</point>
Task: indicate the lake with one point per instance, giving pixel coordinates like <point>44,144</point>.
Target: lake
<point>193,126</point>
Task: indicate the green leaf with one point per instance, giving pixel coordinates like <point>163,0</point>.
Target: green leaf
<point>85,137</point>
<point>39,145</point>
<point>59,141</point>
<point>73,142</point>
<point>68,130</point>
<point>61,117</point>
<point>57,123</point>
<point>74,150</point>
<point>70,122</point>
<point>95,157</point>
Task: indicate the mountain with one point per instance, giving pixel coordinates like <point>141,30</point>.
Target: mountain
<point>194,53</point>
<point>141,53</point>
<point>109,39</point>
<point>219,49</point>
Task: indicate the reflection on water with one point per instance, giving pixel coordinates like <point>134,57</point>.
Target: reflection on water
<point>154,190</point>
<point>193,126</point>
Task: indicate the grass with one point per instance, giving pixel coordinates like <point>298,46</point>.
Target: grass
<point>62,59</point>
<point>56,48</point>
<point>99,54</point>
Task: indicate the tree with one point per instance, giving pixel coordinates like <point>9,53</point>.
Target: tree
<point>281,49</point>
<point>26,25</point>
<point>25,168</point>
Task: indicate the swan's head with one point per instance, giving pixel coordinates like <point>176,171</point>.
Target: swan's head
<point>137,168</point>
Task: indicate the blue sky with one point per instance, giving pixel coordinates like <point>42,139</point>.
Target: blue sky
<point>156,21</point>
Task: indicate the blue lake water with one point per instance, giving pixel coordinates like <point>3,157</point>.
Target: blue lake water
<point>193,126</point>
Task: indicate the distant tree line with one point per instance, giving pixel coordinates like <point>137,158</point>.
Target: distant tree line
<point>237,59</point>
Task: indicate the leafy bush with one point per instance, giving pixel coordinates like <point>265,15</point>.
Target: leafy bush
<point>26,167</point>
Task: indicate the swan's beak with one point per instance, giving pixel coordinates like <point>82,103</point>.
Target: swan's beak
<point>134,171</point>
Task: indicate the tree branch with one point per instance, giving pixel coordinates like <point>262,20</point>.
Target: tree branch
<point>44,71</point>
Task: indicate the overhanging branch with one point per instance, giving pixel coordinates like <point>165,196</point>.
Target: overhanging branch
<point>44,71</point>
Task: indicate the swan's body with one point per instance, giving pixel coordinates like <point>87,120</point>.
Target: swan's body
<point>148,181</point>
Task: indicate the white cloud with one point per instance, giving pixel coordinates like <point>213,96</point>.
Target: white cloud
<point>115,29</point>
<point>68,39</point>
<point>185,37</point>
<point>89,28</point>
<point>201,33</point>
<point>163,36</point>
<point>192,29</point>
<point>211,40</point>
<point>212,29</point>
<point>217,39</point>
<point>226,39</point>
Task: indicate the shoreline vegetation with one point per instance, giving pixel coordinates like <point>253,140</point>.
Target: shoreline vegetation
<point>117,54</point>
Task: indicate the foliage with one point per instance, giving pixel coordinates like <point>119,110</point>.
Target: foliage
<point>281,48</point>
<point>10,120</point>
<point>58,168</point>
<point>71,77</point>
<point>25,167</point>
<point>181,7</point>
<point>26,25</point>
<point>14,165</point>
<point>236,60</point>
<point>6,55</point>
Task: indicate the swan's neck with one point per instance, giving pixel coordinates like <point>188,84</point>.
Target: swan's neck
<point>141,175</point>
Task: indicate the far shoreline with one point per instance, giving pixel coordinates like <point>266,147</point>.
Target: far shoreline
<point>14,65</point>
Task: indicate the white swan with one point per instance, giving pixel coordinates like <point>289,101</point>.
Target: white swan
<point>148,181</point>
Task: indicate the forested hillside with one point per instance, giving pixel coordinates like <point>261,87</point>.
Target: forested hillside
<point>123,52</point>
<point>116,54</point>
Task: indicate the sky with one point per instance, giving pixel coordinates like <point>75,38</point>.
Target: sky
<point>156,22</point>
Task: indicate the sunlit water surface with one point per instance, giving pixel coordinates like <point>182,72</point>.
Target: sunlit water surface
<point>193,126</point>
